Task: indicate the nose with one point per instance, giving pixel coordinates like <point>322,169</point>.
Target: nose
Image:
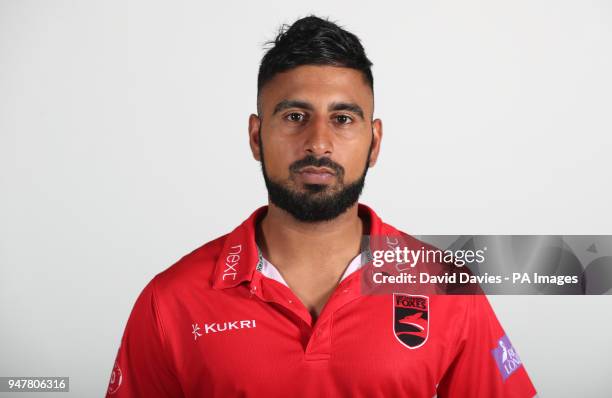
<point>319,138</point>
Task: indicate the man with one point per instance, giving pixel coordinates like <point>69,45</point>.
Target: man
<point>275,308</point>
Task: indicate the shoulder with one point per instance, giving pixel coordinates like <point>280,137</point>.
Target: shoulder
<point>193,269</point>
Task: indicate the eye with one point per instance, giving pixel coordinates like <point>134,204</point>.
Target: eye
<point>344,119</point>
<point>295,117</point>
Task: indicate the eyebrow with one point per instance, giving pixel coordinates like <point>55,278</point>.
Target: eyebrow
<point>286,104</point>
<point>335,106</point>
<point>346,106</point>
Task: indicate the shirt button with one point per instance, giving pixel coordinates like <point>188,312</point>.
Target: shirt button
<point>290,301</point>
<point>345,291</point>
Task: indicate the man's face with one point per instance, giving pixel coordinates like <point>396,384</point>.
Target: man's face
<point>316,139</point>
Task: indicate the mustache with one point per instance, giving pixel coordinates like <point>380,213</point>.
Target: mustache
<point>311,160</point>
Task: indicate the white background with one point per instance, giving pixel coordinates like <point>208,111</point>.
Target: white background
<point>123,146</point>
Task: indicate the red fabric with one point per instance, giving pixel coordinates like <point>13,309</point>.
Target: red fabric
<point>211,325</point>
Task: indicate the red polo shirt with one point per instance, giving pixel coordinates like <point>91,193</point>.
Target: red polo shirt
<point>212,325</point>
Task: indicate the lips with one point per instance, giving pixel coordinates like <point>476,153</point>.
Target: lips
<point>316,175</point>
<point>317,170</point>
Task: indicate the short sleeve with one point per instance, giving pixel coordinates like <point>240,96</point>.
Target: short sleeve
<point>486,363</point>
<point>143,367</point>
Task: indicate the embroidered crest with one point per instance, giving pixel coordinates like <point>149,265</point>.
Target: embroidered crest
<point>411,319</point>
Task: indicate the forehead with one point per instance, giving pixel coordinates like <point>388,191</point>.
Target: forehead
<point>319,85</point>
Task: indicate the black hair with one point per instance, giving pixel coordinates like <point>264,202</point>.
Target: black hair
<point>313,41</point>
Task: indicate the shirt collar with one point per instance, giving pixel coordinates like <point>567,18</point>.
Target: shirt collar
<point>238,259</point>
<point>270,271</point>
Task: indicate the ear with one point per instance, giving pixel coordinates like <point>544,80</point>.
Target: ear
<point>254,125</point>
<point>377,133</point>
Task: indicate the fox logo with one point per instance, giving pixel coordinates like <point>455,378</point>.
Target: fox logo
<point>411,319</point>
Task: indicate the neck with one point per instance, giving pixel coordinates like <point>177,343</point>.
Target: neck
<point>285,240</point>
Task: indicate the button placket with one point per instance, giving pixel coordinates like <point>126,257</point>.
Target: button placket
<point>319,345</point>
<point>275,292</point>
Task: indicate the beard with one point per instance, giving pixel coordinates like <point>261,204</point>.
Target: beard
<point>318,202</point>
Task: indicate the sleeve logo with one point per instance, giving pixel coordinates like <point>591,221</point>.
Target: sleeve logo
<point>506,358</point>
<point>115,379</point>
